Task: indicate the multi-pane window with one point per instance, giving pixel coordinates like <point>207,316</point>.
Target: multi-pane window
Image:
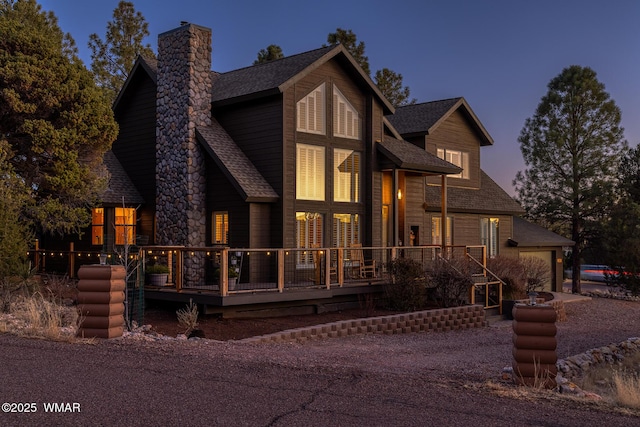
<point>308,235</point>
<point>346,175</point>
<point>311,112</point>
<point>125,226</point>
<point>346,120</point>
<point>436,231</point>
<point>346,230</point>
<point>97,226</point>
<point>220,228</point>
<point>458,158</point>
<point>489,234</point>
<point>310,167</point>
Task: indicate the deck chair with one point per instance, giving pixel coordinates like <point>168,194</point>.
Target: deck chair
<point>365,268</point>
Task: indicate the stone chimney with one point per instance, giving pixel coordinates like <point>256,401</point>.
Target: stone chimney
<point>183,102</point>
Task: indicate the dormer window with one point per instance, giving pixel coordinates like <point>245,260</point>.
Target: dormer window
<point>346,120</point>
<point>311,112</point>
<point>458,158</point>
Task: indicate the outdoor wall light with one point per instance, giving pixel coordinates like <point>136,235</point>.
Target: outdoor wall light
<point>399,194</point>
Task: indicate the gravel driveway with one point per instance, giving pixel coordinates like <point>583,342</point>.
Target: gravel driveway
<point>419,379</point>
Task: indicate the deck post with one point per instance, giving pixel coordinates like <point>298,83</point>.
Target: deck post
<point>179,269</point>
<point>280,270</point>
<point>327,268</point>
<point>443,209</point>
<point>72,262</point>
<point>224,272</point>
<point>340,266</point>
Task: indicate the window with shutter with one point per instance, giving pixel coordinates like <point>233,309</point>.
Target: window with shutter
<point>346,230</point>
<point>310,167</point>
<point>346,121</point>
<point>489,234</point>
<point>346,175</point>
<point>458,158</point>
<point>308,235</point>
<point>311,112</point>
<point>220,228</point>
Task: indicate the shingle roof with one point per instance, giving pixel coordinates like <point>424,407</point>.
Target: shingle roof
<point>424,118</point>
<point>235,164</point>
<point>419,118</point>
<point>407,156</point>
<point>119,184</point>
<point>489,198</point>
<point>527,234</point>
<point>263,77</point>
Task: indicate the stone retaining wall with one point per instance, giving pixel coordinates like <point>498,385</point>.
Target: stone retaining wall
<point>439,320</point>
<point>575,366</point>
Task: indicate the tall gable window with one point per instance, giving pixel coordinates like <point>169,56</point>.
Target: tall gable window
<point>310,169</point>
<point>458,158</point>
<point>346,120</point>
<point>346,175</point>
<point>311,112</point>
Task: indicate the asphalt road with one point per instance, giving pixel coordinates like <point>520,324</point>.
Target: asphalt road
<point>216,385</point>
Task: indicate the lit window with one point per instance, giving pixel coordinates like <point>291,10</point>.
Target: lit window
<point>97,226</point>
<point>346,120</point>
<point>346,230</point>
<point>458,158</point>
<point>308,235</point>
<point>436,230</point>
<point>346,176</point>
<point>310,172</point>
<point>311,112</point>
<point>221,228</point>
<point>489,234</point>
<point>125,226</point>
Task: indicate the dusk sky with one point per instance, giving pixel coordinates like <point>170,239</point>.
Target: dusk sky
<point>498,54</point>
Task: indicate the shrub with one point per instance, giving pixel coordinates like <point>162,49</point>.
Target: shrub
<point>450,281</point>
<point>511,271</point>
<point>536,273</point>
<point>157,269</point>
<point>406,290</point>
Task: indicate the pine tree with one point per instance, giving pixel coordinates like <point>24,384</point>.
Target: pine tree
<point>272,52</point>
<point>113,58</point>
<point>56,121</point>
<point>571,147</point>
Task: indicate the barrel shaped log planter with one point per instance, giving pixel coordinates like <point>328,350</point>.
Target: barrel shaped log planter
<point>101,301</point>
<point>534,345</point>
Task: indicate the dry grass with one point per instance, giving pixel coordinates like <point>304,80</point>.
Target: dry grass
<point>35,316</point>
<point>626,389</point>
<point>188,317</point>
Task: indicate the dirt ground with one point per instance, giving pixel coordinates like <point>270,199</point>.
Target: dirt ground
<point>163,320</point>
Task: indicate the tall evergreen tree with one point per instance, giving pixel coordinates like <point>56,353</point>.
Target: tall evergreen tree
<point>390,84</point>
<point>56,121</point>
<point>349,40</point>
<point>571,147</point>
<point>113,57</point>
<point>621,232</point>
<point>273,51</point>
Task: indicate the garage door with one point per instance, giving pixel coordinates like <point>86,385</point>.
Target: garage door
<point>547,257</point>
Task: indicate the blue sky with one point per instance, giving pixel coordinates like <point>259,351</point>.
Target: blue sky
<point>498,54</point>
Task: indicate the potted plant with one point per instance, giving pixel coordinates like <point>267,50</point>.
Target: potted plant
<point>157,274</point>
<point>233,278</point>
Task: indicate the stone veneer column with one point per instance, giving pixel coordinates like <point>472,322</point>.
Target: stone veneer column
<point>183,102</point>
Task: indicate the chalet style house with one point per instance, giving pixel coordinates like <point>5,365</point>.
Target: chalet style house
<point>300,152</point>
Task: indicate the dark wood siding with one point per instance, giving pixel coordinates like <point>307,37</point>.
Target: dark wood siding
<point>257,128</point>
<point>135,146</point>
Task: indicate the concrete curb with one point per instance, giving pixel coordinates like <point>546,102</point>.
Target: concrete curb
<point>438,320</point>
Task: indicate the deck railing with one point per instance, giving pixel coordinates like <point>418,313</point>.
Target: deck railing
<point>224,271</point>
